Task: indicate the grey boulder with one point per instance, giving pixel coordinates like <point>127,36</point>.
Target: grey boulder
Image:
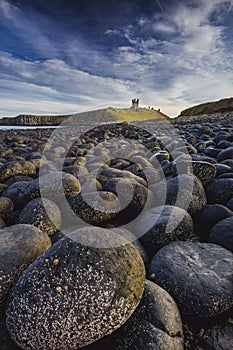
<point>76,293</point>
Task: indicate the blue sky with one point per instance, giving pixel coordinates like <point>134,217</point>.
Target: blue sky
<point>68,56</point>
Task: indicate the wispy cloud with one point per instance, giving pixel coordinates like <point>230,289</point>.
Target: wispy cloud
<point>55,80</point>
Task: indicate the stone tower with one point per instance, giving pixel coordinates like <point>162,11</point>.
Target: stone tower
<point>135,104</point>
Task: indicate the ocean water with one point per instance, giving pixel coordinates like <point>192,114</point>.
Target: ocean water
<point>12,127</point>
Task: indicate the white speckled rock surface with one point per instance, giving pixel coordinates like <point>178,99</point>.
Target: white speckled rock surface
<point>75,294</point>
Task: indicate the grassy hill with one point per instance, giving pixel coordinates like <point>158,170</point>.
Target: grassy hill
<point>88,118</point>
<point>123,114</point>
<point>221,106</point>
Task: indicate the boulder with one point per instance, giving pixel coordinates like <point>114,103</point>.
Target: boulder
<point>197,275</point>
<point>220,191</point>
<point>41,213</point>
<point>222,233</point>
<point>20,246</point>
<point>161,225</point>
<point>208,216</point>
<point>76,293</point>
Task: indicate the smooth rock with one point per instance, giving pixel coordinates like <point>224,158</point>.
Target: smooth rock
<point>161,225</point>
<point>20,246</point>
<point>230,204</point>
<point>220,191</point>
<point>184,191</point>
<point>208,216</point>
<point>225,154</point>
<point>222,233</point>
<point>198,276</point>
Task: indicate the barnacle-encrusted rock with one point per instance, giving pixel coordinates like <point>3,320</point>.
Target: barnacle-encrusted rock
<point>76,293</point>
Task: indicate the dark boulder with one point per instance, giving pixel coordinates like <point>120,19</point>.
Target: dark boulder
<point>20,246</point>
<point>161,225</point>
<point>222,233</point>
<point>225,154</point>
<point>41,213</point>
<point>197,275</point>
<point>208,217</point>
<point>76,293</point>
<point>220,191</point>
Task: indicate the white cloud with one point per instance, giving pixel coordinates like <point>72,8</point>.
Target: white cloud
<point>8,10</point>
<point>55,81</point>
<point>164,27</point>
<point>112,32</point>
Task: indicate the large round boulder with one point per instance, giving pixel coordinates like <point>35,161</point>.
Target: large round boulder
<point>220,191</point>
<point>43,214</point>
<point>222,233</point>
<point>197,275</point>
<point>20,246</point>
<point>161,225</point>
<point>185,191</point>
<point>84,287</point>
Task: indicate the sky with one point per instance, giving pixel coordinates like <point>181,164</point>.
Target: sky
<point>70,56</point>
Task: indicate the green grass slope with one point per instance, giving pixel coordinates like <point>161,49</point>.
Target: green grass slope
<point>221,106</point>
<point>128,115</point>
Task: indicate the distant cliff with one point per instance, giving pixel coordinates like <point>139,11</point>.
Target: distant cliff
<point>221,106</point>
<point>33,120</point>
<point>88,118</point>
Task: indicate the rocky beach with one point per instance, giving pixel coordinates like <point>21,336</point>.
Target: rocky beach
<point>118,236</point>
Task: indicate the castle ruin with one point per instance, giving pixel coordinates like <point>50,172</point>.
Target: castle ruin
<point>135,105</point>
